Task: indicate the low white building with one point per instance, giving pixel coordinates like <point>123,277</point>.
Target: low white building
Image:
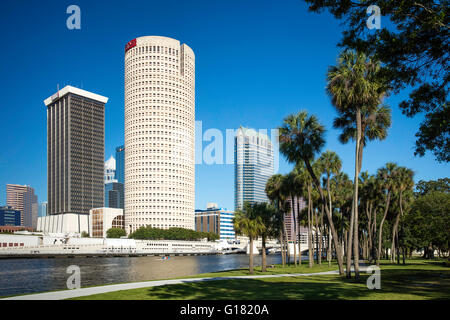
<point>65,223</point>
<point>103,219</point>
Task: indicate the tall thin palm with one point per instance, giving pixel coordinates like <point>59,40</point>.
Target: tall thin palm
<point>301,137</point>
<point>356,91</point>
<point>386,179</point>
<point>404,180</point>
<point>329,164</point>
<point>274,193</point>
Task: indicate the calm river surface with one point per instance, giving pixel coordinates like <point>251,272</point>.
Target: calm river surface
<point>20,276</point>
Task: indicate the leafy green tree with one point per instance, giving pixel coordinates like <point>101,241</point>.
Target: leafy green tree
<point>414,48</point>
<point>428,223</point>
<point>149,233</point>
<point>440,185</point>
<point>84,234</point>
<point>115,233</point>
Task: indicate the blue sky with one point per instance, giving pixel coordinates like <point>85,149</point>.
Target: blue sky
<point>256,62</point>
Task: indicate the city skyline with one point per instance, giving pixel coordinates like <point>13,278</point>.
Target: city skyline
<point>300,85</point>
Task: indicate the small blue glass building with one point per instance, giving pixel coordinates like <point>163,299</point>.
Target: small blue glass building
<point>9,216</point>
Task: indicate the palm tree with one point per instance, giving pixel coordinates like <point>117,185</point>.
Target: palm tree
<point>301,137</point>
<point>246,223</point>
<point>274,193</point>
<point>268,216</point>
<point>329,164</point>
<point>404,180</point>
<point>341,188</point>
<point>385,176</point>
<point>304,182</point>
<point>356,90</point>
<point>290,190</point>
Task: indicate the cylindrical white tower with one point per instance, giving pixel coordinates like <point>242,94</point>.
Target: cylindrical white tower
<point>159,134</point>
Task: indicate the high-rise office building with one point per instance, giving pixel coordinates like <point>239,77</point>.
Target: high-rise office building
<point>120,164</point>
<point>289,221</point>
<point>110,170</point>
<point>22,198</point>
<point>42,209</point>
<point>159,133</point>
<point>75,151</point>
<point>253,166</point>
<point>114,195</point>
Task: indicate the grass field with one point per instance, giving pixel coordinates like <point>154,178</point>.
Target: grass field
<point>417,280</point>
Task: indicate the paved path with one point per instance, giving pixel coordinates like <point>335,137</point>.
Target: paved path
<point>67,294</point>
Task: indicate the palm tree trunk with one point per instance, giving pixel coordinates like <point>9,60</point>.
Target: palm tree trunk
<point>263,242</point>
<point>380,233</point>
<point>369,231</point>
<point>321,236</point>
<point>288,250</point>
<point>329,247</point>
<point>309,228</point>
<point>328,212</point>
<point>294,220</point>
<point>250,262</point>
<point>355,193</point>
<point>350,243</point>
<point>283,253</point>
<point>316,216</point>
<point>374,234</point>
<point>298,233</point>
<point>394,232</point>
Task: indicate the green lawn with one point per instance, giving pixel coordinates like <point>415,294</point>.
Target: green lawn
<point>418,279</point>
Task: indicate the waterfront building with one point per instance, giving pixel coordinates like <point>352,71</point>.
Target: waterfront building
<point>103,219</point>
<point>253,166</point>
<point>22,198</point>
<point>159,134</point>
<point>291,233</point>
<point>64,223</point>
<point>75,153</point>
<point>9,216</point>
<point>42,209</point>
<point>110,170</point>
<point>114,195</point>
<point>120,164</point>
<point>216,220</point>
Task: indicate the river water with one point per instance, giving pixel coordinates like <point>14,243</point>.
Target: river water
<point>21,276</point>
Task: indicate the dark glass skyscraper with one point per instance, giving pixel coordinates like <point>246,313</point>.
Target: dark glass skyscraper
<point>114,195</point>
<point>120,164</point>
<point>75,151</point>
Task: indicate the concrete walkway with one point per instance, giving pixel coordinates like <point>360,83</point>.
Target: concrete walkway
<point>67,294</point>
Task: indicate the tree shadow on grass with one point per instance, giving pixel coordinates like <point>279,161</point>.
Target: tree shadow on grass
<point>394,286</point>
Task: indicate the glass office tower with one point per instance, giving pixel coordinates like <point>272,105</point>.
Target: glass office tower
<point>253,166</point>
